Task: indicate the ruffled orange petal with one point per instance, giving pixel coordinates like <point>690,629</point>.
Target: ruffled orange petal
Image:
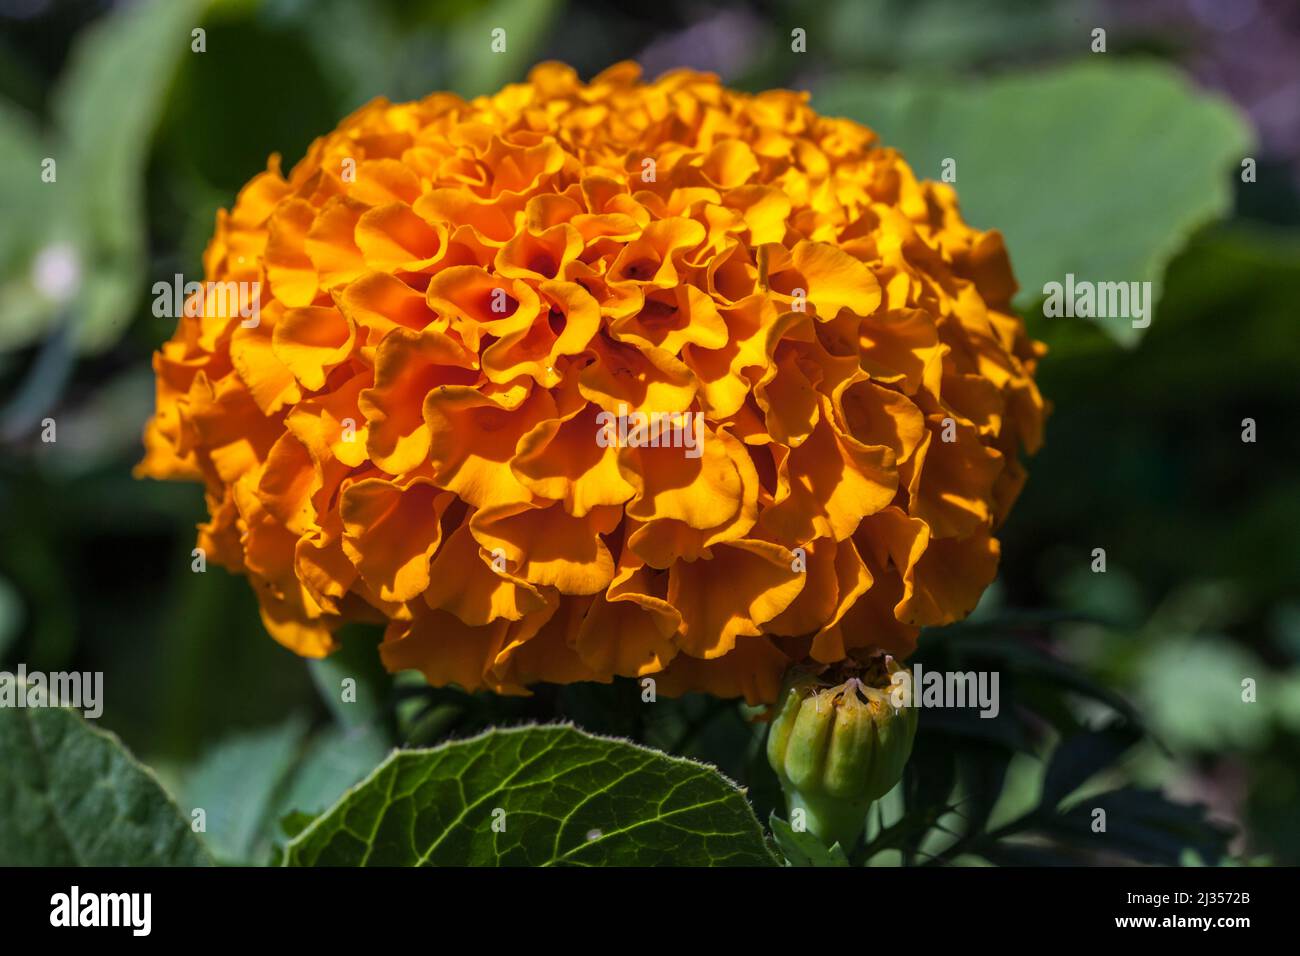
<point>391,533</point>
<point>408,367</point>
<point>477,586</point>
<point>745,585</point>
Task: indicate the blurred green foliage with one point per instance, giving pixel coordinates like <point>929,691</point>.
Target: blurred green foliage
<point>1060,160</point>
<point>1111,168</point>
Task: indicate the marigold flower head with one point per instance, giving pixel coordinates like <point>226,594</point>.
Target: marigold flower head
<point>457,298</point>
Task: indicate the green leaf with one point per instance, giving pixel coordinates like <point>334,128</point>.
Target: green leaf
<point>333,760</point>
<point>1193,694</point>
<point>984,770</point>
<point>250,782</point>
<point>71,795</point>
<point>295,822</point>
<point>1076,760</point>
<point>1102,170</point>
<point>106,107</point>
<point>906,834</point>
<point>235,784</point>
<point>803,848</point>
<point>1142,825</point>
<point>556,795</point>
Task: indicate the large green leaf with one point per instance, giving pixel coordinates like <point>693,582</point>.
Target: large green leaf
<point>1099,169</point>
<point>71,795</point>
<point>536,796</point>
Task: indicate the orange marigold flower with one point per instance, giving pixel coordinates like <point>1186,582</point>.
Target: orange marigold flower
<point>463,304</point>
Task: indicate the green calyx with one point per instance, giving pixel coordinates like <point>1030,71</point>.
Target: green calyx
<point>836,749</point>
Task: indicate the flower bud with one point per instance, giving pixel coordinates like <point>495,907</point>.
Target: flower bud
<point>836,749</point>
